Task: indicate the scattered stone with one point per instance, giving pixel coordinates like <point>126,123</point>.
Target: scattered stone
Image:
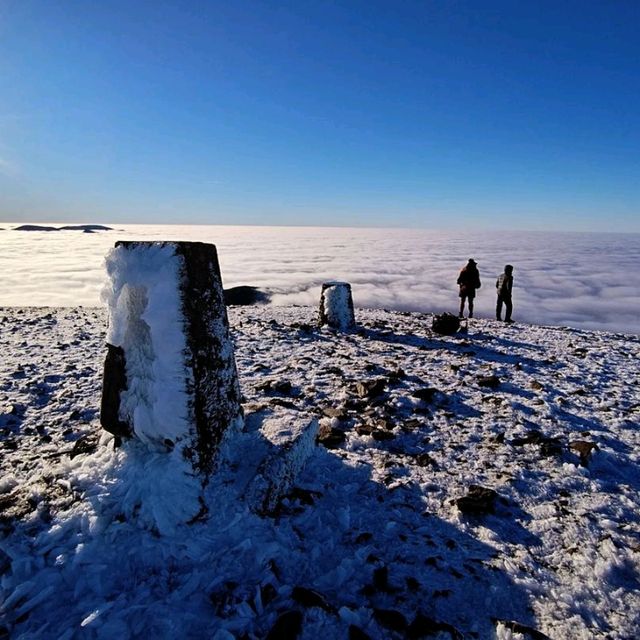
<point>370,388</point>
<point>330,437</point>
<point>390,619</point>
<point>445,324</point>
<point>426,394</point>
<point>356,633</point>
<point>381,435</point>
<point>584,450</point>
<point>536,386</point>
<point>516,627</point>
<point>492,381</point>
<point>287,627</point>
<point>425,460</point>
<point>85,444</point>
<point>310,598</point>
<point>551,447</point>
<point>478,501</point>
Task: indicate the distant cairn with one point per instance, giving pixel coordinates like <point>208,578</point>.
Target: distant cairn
<point>336,306</point>
<point>170,379</point>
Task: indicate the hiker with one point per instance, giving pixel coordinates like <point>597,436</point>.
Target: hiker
<point>504,286</point>
<point>469,281</point>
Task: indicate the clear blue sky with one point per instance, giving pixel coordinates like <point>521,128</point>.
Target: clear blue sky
<point>433,114</point>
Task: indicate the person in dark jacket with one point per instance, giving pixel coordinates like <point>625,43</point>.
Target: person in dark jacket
<point>504,287</point>
<point>469,281</point>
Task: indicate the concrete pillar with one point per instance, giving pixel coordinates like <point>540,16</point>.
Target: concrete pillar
<point>336,306</point>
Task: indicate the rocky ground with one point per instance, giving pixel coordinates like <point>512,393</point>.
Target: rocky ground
<point>483,485</point>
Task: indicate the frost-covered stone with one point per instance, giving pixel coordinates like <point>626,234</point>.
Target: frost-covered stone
<point>336,306</point>
<point>170,376</point>
<point>291,440</point>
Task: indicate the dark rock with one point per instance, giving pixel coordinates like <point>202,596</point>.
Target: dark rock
<point>478,501</point>
<point>85,444</point>
<point>445,324</point>
<point>245,295</point>
<point>532,437</point>
<point>551,447</point>
<point>390,619</point>
<point>424,627</point>
<point>381,578</point>
<point>380,435</point>
<point>330,438</point>
<point>365,429</point>
<point>286,627</point>
<point>425,460</point>
<point>356,633</point>
<point>426,394</point>
<point>335,412</point>
<point>268,593</point>
<point>516,627</point>
<point>310,598</point>
<point>370,388</point>
<point>584,449</point>
<point>492,382</point>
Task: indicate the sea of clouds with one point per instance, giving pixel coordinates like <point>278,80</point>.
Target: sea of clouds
<point>581,280</point>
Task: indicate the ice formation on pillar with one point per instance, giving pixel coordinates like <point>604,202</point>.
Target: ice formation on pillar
<point>168,330</point>
<point>336,306</point>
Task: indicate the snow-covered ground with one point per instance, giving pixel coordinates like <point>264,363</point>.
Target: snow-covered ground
<point>372,540</point>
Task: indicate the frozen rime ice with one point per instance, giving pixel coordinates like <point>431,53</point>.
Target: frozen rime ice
<point>146,321</point>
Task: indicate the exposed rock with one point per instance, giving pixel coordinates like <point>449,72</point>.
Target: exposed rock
<point>478,501</point>
<point>245,295</point>
<point>492,381</point>
<point>427,394</point>
<point>445,324</point>
<point>85,444</point>
<point>425,460</point>
<point>390,619</point>
<point>381,435</point>
<point>370,388</point>
<point>330,437</point>
<point>584,449</point>
<point>310,598</point>
<point>515,627</point>
<point>287,627</point>
<point>356,633</point>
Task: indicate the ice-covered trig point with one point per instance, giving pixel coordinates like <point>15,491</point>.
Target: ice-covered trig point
<point>336,306</point>
<point>170,380</point>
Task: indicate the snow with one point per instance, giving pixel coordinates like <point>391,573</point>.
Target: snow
<point>366,525</point>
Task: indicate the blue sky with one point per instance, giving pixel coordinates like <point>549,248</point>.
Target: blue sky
<point>430,114</point>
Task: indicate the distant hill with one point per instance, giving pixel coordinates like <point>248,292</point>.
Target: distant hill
<point>87,228</point>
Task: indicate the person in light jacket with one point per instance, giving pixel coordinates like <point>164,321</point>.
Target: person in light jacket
<point>504,287</point>
<point>469,281</point>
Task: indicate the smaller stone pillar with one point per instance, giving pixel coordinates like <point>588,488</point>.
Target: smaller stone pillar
<point>336,306</point>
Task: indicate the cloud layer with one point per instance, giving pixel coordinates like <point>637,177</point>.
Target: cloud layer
<point>580,280</point>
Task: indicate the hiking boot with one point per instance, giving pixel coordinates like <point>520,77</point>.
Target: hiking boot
<point>509,321</point>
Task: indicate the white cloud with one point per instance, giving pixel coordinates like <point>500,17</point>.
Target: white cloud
<point>581,280</point>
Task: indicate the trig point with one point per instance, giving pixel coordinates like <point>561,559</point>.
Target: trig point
<point>336,306</point>
<point>170,378</point>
